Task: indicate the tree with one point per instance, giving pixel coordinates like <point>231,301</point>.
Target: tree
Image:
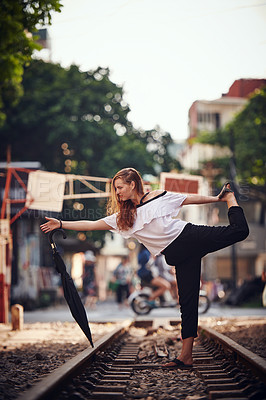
<point>61,120</point>
<point>245,135</point>
<point>76,122</point>
<point>73,121</point>
<point>18,27</point>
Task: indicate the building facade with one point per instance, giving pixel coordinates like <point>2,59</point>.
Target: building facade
<point>208,116</point>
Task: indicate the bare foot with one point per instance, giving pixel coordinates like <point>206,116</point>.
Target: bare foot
<point>170,364</point>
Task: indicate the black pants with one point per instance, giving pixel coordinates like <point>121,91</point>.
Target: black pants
<point>122,292</point>
<point>185,253</point>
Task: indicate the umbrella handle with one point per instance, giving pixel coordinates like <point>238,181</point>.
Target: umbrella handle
<point>51,234</point>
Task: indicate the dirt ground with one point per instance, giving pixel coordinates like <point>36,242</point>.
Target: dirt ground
<point>248,332</point>
<point>28,355</point>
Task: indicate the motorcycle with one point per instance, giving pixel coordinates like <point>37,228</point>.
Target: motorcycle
<point>138,301</point>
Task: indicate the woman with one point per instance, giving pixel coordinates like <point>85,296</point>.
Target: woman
<point>149,218</point>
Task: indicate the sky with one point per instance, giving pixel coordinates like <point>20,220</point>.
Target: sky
<point>165,53</point>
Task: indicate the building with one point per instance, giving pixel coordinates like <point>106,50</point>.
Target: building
<point>208,116</point>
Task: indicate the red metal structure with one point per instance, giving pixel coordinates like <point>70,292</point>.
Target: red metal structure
<point>13,174</point>
<point>6,200</point>
<point>6,238</point>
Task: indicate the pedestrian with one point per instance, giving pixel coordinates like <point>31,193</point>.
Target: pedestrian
<point>123,276</point>
<point>89,280</point>
<point>148,217</point>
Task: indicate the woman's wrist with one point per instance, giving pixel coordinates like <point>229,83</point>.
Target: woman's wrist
<point>60,223</point>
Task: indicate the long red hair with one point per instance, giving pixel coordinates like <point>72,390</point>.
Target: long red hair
<point>126,210</point>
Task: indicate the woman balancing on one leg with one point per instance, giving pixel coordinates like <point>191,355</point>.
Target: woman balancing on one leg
<point>149,218</point>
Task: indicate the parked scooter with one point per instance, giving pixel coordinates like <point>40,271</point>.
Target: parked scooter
<point>138,301</point>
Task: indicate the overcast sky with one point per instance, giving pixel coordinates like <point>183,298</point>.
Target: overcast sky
<point>165,53</point>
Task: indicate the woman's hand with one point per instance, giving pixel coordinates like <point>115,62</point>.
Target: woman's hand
<point>52,224</point>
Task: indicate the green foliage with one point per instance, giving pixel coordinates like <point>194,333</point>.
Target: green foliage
<point>76,122</point>
<point>249,135</point>
<point>245,135</point>
<point>158,143</point>
<point>18,21</point>
<point>215,138</point>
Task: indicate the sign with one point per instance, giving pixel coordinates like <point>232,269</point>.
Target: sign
<point>45,191</point>
<point>181,183</point>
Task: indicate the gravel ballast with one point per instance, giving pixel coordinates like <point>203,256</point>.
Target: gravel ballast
<point>29,355</point>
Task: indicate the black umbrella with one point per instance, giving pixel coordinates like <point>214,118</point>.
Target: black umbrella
<point>70,292</point>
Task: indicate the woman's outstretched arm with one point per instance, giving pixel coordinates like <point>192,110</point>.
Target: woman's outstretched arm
<point>53,223</point>
<point>197,199</point>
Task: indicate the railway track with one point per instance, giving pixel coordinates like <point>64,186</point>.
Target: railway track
<point>127,364</point>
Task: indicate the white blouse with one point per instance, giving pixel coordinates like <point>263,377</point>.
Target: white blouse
<point>156,224</point>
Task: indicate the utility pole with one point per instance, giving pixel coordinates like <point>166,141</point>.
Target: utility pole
<point>233,180</point>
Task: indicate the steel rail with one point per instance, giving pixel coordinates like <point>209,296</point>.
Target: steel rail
<point>254,362</point>
<point>46,386</point>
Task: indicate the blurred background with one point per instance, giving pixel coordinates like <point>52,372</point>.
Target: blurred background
<point>174,89</point>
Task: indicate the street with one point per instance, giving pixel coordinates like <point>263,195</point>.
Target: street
<point>109,311</point>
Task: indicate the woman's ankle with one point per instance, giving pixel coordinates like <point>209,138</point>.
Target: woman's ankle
<point>231,200</point>
<point>186,359</point>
